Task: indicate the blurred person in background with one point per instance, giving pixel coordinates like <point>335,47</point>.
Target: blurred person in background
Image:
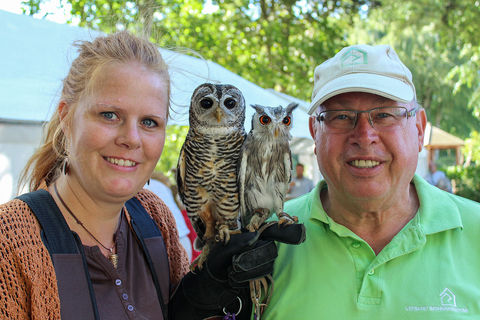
<point>299,184</point>
<point>437,177</point>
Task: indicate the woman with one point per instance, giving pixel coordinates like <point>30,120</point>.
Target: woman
<point>102,145</point>
<point>90,243</point>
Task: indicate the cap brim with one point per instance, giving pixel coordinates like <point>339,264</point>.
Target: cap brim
<point>387,87</point>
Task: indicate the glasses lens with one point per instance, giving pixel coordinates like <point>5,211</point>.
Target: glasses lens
<point>388,117</point>
<point>338,120</point>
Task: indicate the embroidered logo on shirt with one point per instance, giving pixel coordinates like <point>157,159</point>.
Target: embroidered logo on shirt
<point>447,303</point>
<point>447,298</point>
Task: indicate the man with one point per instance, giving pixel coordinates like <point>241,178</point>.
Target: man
<point>438,178</point>
<point>381,242</point>
<point>300,184</point>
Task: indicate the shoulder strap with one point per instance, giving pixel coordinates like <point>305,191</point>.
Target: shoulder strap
<point>75,290</point>
<point>57,236</point>
<point>151,240</point>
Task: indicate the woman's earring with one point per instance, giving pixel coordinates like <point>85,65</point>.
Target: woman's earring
<point>148,182</point>
<point>65,166</point>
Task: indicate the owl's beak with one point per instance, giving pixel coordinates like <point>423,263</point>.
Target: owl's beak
<point>218,114</point>
<point>276,132</point>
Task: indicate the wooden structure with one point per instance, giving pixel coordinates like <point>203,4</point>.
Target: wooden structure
<point>437,139</point>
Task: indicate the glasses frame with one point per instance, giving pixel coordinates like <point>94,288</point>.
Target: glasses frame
<point>408,113</point>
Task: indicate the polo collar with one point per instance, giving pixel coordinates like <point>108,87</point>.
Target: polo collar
<point>437,211</point>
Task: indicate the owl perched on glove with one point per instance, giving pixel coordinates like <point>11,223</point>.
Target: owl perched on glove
<point>265,166</point>
<point>207,166</point>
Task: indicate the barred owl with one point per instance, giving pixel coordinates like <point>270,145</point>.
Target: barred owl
<point>207,166</point>
<point>265,166</point>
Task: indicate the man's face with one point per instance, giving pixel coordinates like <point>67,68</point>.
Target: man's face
<point>365,163</point>
<point>299,171</point>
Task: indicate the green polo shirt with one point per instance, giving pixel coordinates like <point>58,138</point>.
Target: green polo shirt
<point>430,269</point>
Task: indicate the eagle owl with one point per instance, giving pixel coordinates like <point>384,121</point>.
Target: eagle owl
<point>207,165</point>
<point>265,166</point>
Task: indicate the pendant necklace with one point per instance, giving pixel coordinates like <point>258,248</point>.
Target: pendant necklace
<point>112,257</point>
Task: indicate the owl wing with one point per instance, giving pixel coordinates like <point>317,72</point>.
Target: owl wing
<point>180,174</point>
<point>288,166</point>
<point>197,224</point>
<point>287,175</point>
<point>241,175</point>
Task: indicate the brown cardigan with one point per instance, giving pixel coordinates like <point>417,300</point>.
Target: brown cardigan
<point>28,286</point>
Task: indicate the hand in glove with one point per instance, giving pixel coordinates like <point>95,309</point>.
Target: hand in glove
<point>221,286</point>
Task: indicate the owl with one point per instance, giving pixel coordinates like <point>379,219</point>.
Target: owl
<point>265,166</point>
<point>207,165</point>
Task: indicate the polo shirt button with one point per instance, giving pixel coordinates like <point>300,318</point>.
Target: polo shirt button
<point>125,296</point>
<point>130,307</point>
<point>356,245</point>
<point>118,282</point>
<point>371,272</point>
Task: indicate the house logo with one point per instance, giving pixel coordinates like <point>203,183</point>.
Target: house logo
<point>354,56</point>
<point>448,304</point>
<point>447,298</point>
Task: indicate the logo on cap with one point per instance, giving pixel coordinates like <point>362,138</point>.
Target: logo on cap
<point>353,57</point>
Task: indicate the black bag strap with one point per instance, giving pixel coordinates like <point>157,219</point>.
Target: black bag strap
<point>66,251</point>
<point>145,228</point>
<point>58,237</point>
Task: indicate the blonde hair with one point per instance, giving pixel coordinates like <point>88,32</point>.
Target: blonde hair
<point>122,47</point>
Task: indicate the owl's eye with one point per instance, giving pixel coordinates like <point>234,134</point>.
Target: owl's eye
<point>229,103</point>
<point>265,119</point>
<point>286,121</point>
<point>206,103</point>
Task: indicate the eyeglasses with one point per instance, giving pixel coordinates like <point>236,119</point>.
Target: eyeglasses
<point>381,118</point>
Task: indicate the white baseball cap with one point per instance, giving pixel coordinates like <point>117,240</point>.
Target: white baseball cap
<point>363,68</point>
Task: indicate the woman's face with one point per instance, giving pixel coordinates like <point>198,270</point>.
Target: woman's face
<point>117,132</point>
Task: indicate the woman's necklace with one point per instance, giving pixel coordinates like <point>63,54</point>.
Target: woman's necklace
<point>113,257</point>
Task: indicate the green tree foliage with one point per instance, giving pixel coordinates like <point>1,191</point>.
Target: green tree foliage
<point>418,32</point>
<point>472,148</point>
<point>175,137</point>
<point>457,23</point>
<point>467,181</point>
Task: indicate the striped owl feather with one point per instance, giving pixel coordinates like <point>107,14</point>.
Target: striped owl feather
<point>207,166</point>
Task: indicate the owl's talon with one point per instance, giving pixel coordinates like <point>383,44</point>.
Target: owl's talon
<point>198,262</point>
<point>259,217</point>
<point>285,219</point>
<point>224,234</point>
